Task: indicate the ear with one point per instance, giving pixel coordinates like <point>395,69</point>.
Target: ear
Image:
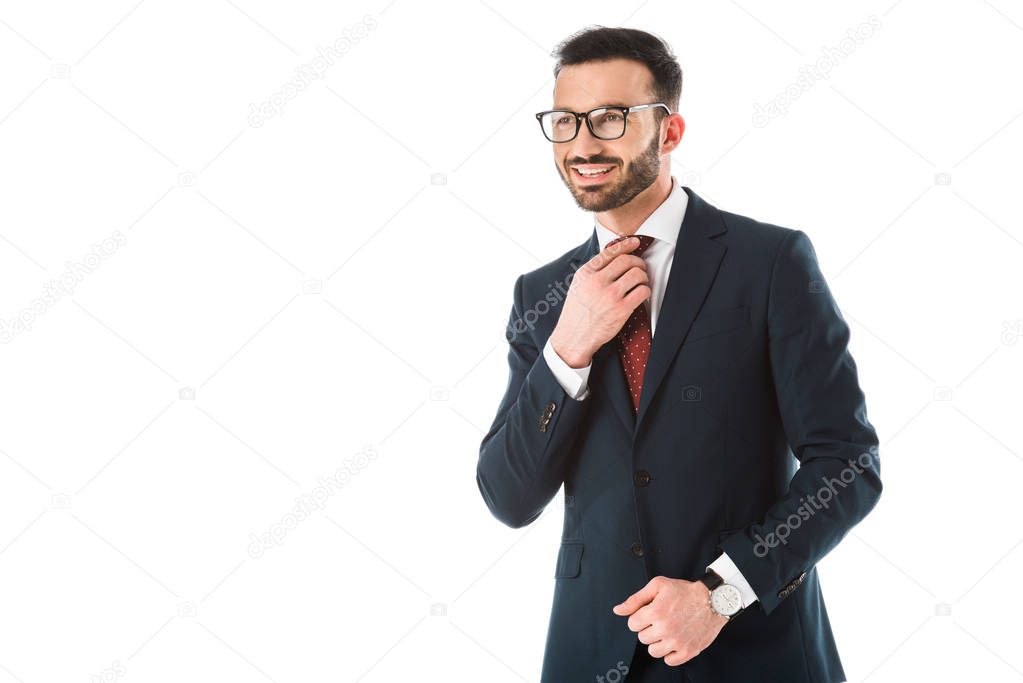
<point>673,131</point>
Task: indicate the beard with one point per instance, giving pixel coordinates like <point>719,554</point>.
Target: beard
<point>634,178</point>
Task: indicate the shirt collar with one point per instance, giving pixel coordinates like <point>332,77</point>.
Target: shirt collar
<point>663,224</point>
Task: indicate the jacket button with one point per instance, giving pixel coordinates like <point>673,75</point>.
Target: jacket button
<point>641,477</point>
<point>637,549</point>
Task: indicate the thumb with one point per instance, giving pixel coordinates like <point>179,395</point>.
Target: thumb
<point>636,600</point>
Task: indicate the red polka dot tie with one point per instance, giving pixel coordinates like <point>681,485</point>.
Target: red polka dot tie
<point>635,337</point>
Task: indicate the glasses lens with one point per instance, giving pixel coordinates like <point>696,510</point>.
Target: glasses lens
<point>558,126</point>
<point>607,123</point>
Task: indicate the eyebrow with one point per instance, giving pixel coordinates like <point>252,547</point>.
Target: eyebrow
<point>605,104</point>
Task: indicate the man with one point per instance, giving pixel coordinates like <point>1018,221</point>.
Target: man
<point>672,389</point>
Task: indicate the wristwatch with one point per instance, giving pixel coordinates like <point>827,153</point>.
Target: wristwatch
<point>725,599</point>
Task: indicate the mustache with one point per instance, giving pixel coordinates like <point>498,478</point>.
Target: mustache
<point>594,160</point>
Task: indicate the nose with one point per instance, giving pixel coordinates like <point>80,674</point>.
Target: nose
<point>584,145</point>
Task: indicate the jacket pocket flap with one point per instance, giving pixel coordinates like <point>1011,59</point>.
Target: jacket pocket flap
<point>718,320</point>
<point>569,560</point>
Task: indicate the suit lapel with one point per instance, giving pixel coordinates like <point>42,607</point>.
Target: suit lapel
<point>693,268</point>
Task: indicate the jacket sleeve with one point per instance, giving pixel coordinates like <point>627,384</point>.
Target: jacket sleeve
<point>524,456</point>
<point>825,421</point>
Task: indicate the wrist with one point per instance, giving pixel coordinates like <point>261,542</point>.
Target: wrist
<point>710,580</point>
<point>723,599</point>
<point>575,356</point>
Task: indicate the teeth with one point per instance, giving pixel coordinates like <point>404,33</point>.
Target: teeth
<point>583,172</point>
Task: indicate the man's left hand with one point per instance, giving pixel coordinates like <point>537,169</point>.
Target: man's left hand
<point>673,617</point>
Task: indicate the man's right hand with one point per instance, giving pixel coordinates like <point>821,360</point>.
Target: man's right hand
<point>604,292</point>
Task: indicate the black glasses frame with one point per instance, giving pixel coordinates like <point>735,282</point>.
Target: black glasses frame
<point>579,116</point>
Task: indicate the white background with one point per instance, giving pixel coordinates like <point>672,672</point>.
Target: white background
<point>325,294</point>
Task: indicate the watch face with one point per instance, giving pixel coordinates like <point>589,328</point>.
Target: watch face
<point>726,599</point>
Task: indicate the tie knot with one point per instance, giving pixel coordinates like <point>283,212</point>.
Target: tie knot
<point>644,242</point>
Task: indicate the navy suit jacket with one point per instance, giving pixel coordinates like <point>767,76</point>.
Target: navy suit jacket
<point>749,376</point>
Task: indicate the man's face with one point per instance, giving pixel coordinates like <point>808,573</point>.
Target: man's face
<point>633,160</point>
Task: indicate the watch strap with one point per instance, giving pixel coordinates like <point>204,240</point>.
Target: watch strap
<point>711,579</point>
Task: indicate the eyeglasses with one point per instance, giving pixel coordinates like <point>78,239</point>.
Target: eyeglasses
<point>605,123</point>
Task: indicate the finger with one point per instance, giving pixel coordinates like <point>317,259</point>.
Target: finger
<point>610,251</point>
<point>659,649</point>
<point>642,621</point>
<point>636,600</point>
<point>638,295</point>
<point>674,658</point>
<point>633,277</point>
<point>647,636</point>
<point>621,264</point>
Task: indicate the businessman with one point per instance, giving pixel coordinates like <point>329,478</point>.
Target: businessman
<point>684,374</point>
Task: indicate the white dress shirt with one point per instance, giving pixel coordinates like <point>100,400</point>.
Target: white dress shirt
<point>663,225</point>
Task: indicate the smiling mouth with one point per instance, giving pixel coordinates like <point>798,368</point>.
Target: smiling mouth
<point>590,171</point>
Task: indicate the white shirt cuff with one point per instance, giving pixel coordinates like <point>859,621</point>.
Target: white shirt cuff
<point>572,380</point>
<point>726,569</point>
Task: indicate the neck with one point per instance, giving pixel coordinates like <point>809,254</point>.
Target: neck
<point>626,219</point>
